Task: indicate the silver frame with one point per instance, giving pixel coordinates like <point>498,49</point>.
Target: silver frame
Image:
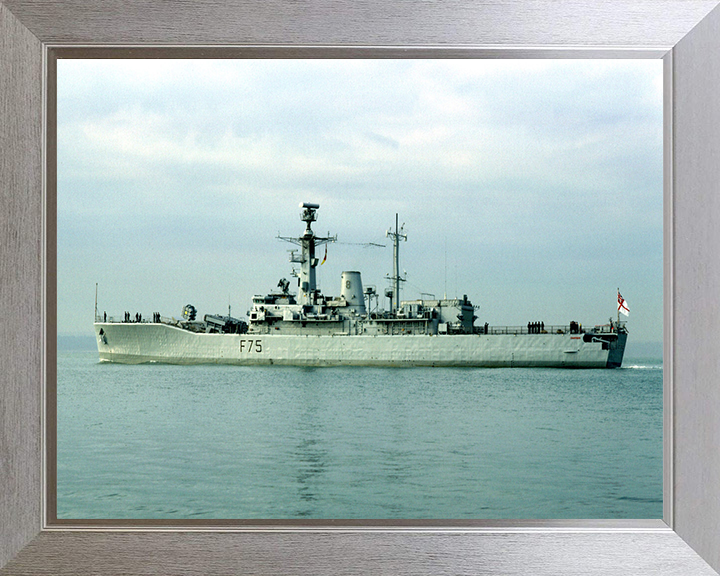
<point>684,32</point>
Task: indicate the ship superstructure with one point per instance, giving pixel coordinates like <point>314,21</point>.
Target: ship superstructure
<point>310,328</point>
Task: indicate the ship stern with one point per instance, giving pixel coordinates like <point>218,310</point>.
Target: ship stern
<point>616,353</point>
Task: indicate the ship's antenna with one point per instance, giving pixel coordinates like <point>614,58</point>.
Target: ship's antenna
<point>446,267</point>
<point>96,288</point>
<point>396,278</point>
<point>307,260</point>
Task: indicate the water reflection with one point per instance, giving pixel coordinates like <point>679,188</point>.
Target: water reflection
<point>310,454</point>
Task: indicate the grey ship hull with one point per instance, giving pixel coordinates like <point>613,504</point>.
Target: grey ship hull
<point>134,343</point>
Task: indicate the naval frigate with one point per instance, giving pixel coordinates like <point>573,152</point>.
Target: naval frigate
<point>309,328</point>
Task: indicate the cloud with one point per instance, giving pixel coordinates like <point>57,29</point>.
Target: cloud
<point>535,169</point>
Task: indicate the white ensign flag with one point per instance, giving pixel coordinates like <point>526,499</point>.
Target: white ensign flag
<point>622,305</point>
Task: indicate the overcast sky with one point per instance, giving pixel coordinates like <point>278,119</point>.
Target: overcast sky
<point>532,186</point>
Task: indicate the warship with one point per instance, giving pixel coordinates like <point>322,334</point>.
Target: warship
<point>308,328</point>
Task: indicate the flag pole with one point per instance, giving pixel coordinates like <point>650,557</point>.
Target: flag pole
<point>618,320</point>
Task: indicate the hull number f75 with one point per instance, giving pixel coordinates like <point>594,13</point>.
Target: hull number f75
<point>250,346</point>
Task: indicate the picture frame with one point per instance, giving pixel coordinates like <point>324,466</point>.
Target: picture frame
<point>684,33</point>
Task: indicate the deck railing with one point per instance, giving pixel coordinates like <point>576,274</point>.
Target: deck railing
<point>563,329</point>
<point>121,319</point>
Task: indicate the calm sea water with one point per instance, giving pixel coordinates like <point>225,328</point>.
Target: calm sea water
<point>210,442</point>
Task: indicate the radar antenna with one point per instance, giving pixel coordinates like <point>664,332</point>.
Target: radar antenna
<point>307,260</point>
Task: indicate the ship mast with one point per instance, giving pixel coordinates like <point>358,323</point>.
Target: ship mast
<point>396,278</point>
<point>307,260</point>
